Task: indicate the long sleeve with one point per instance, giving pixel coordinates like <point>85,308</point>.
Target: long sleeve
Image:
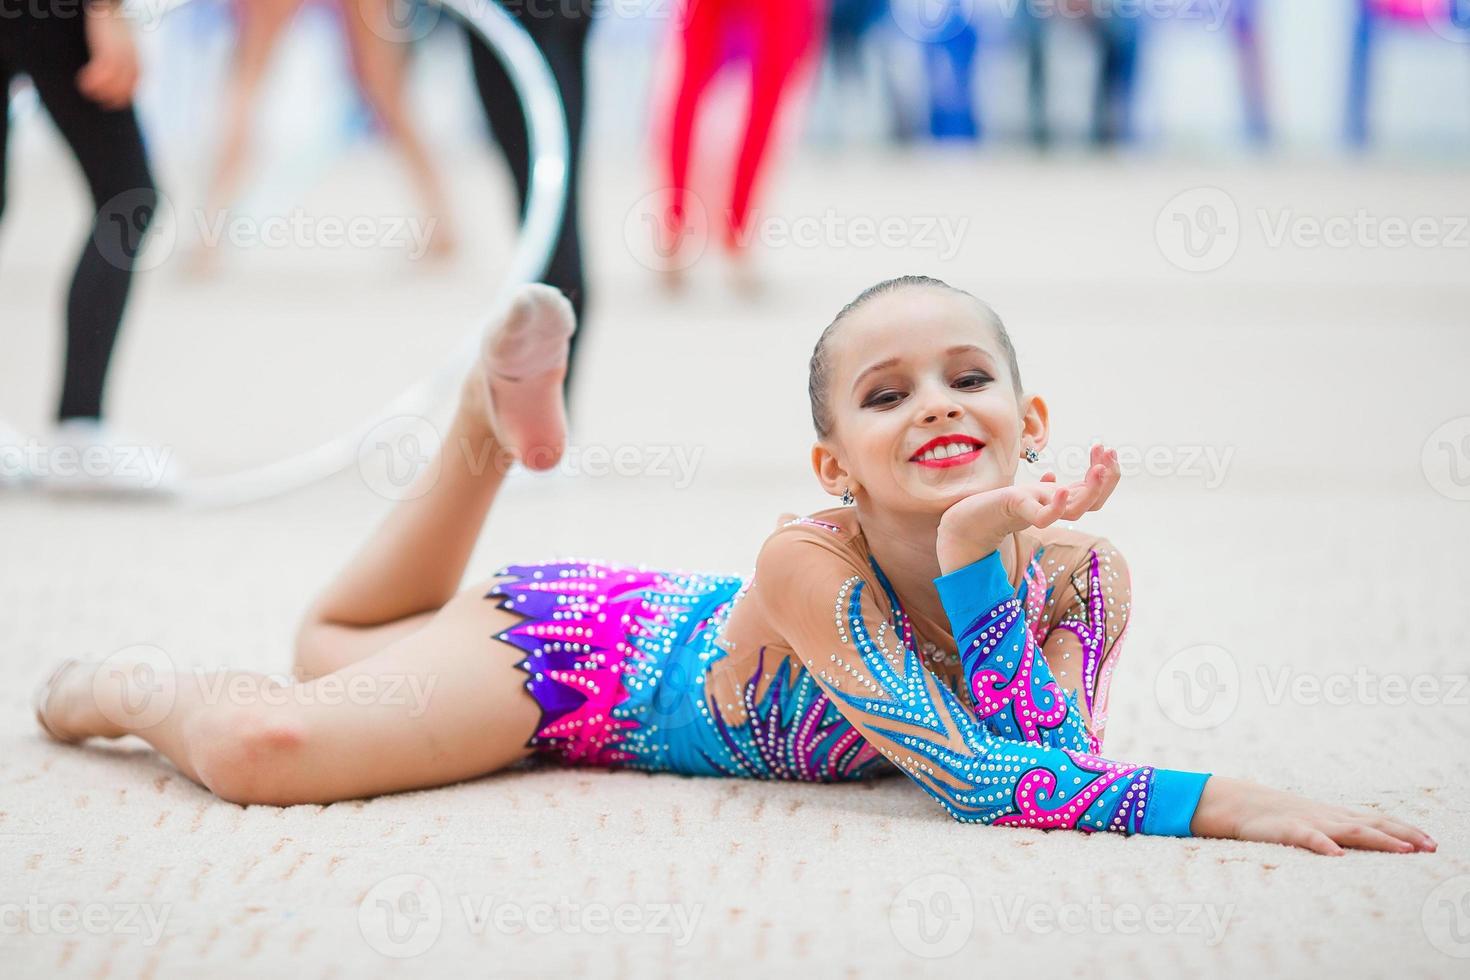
<point>826,611</point>
<point>1015,692</point>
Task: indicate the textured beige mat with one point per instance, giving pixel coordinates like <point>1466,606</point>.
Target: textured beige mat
<point>1314,576</point>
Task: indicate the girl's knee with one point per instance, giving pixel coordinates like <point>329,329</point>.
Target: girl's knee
<point>250,753</point>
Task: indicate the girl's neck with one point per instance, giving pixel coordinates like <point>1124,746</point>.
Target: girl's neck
<point>904,546</point>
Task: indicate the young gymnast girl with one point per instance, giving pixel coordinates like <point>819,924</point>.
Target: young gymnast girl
<point>938,624</point>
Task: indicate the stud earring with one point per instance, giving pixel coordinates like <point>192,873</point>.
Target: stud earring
<point>847,498</point>
<point>1031,455</point>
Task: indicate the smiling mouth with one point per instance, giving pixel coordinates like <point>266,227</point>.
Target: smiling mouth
<point>947,451</point>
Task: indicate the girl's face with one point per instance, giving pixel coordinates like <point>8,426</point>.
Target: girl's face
<point>923,406</point>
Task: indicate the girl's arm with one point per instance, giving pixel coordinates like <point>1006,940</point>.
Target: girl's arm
<point>1016,694</point>
<point>972,529</point>
<point>835,627</point>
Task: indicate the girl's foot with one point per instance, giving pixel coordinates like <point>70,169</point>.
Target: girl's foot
<point>65,705</point>
<point>517,384</point>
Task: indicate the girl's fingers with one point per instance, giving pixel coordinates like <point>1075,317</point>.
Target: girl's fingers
<point>1368,838</point>
<point>1314,840</point>
<point>1403,831</point>
<point>1048,477</point>
<point>1084,495</point>
<point>1058,506</point>
<point>1111,475</point>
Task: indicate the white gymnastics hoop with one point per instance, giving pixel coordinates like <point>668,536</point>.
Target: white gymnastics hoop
<point>548,151</point>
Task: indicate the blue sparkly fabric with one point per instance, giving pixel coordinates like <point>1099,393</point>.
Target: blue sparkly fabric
<point>617,657</point>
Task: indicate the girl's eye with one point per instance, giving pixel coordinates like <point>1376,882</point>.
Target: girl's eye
<point>972,380</point>
<point>880,399</point>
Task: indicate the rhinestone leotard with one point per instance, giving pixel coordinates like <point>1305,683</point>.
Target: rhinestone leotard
<point>811,670</point>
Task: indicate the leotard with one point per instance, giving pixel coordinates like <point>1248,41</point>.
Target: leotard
<point>810,669</point>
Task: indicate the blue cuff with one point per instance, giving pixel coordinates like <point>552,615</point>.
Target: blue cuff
<point>970,592</point>
<point>1175,796</point>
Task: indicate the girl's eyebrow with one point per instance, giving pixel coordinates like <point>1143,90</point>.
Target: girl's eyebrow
<point>890,362</point>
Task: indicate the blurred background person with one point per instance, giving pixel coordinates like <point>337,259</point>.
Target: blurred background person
<point>379,51</point>
<point>560,29</point>
<point>84,68</point>
<point>774,39</point>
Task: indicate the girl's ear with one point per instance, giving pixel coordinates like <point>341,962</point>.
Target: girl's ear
<point>829,470</point>
<point>1035,422</point>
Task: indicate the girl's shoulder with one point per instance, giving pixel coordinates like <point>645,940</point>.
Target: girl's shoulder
<point>835,530</point>
<point>834,523</point>
<point>1065,551</point>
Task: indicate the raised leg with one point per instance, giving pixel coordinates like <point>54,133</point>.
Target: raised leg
<point>510,407</point>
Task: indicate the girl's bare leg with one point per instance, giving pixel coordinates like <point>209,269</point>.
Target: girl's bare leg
<point>379,63</point>
<point>510,407</point>
<point>422,694</point>
<point>443,704</point>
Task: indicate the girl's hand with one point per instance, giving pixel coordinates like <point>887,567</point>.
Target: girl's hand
<point>975,526</point>
<point>111,72</point>
<point>1241,810</point>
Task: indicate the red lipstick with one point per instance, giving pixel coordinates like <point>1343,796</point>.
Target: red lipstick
<point>969,449</point>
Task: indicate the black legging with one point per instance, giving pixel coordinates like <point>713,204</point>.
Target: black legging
<point>108,146</point>
<point>559,28</point>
